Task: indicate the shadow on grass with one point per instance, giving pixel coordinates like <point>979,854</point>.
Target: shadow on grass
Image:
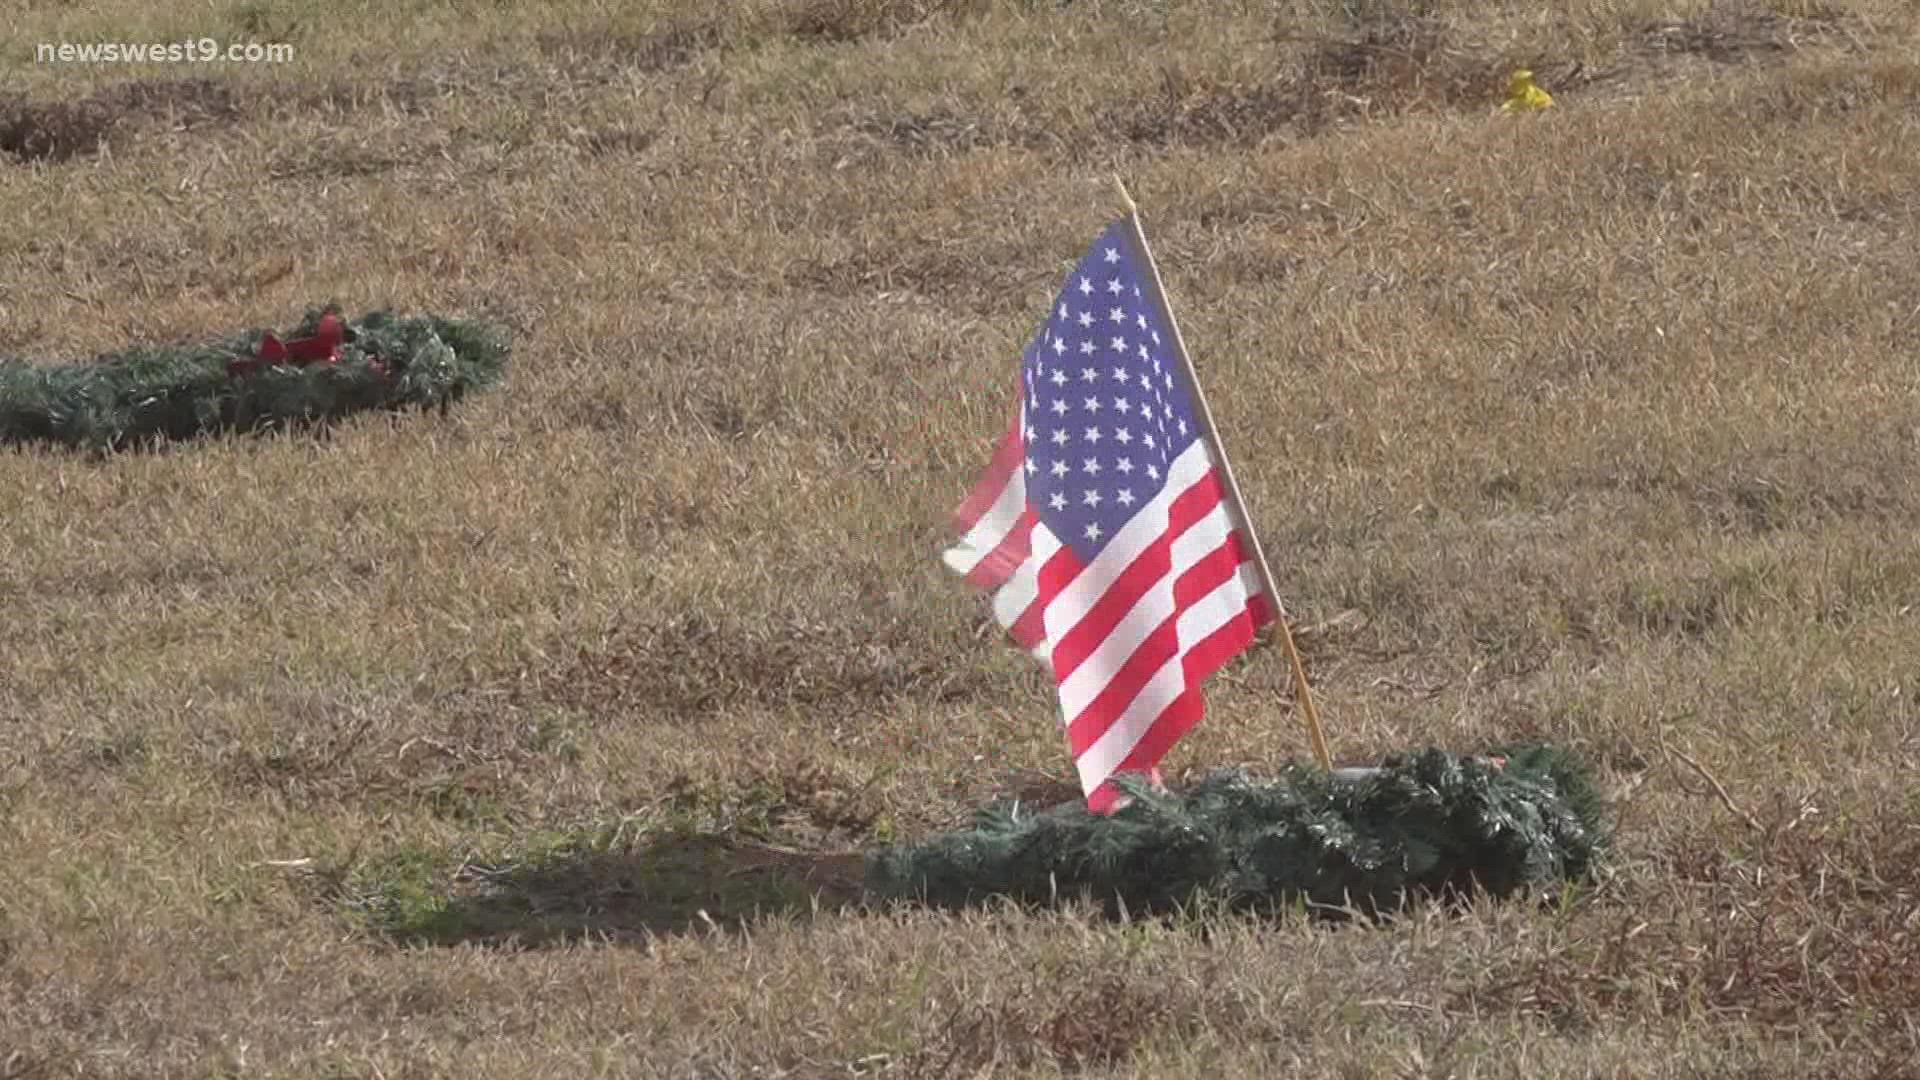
<point>662,884</point>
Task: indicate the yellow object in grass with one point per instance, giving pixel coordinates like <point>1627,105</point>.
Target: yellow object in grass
<point>1523,95</point>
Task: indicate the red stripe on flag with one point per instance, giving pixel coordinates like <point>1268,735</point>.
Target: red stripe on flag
<point>998,565</point>
<point>1105,799</point>
<point>1179,718</point>
<point>1212,652</point>
<point>1007,460</point>
<point>1030,629</point>
<point>1152,655</point>
<point>1260,607</point>
<point>1213,570</point>
<point>1055,575</point>
<point>1207,656</point>
<point>1147,570</point>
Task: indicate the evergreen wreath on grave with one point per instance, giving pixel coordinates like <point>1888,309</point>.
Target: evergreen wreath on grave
<point>327,368</point>
<point>1426,825</point>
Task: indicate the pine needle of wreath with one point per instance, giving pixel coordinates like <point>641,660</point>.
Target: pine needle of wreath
<point>151,393</point>
<point>1428,824</point>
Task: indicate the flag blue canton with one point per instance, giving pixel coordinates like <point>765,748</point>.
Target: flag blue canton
<point>1104,413</point>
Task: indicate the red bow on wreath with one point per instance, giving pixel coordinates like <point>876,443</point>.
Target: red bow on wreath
<point>322,346</point>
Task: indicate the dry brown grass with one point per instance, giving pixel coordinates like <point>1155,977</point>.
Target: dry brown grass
<point>532,740</point>
<point>60,129</point>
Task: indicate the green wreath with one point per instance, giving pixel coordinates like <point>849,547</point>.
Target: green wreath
<point>328,368</point>
<point>1421,825</point>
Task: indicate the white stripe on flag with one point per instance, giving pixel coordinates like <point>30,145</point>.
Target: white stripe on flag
<point>1209,614</point>
<point>1043,548</point>
<point>993,526</point>
<point>1010,601</point>
<point>1137,535</point>
<point>1153,608</point>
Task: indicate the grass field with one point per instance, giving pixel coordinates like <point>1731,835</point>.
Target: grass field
<point>535,740</point>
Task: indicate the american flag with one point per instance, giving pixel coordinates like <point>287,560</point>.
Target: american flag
<point>1102,529</point>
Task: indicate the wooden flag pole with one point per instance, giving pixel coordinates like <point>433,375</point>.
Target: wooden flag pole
<point>1303,694</point>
